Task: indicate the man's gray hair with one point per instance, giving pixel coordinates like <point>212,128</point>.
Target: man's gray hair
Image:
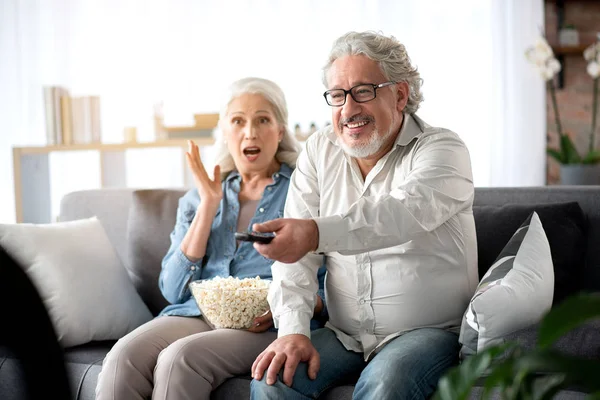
<point>288,149</point>
<point>388,52</point>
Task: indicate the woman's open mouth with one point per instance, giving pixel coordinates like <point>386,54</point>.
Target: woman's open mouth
<point>251,153</point>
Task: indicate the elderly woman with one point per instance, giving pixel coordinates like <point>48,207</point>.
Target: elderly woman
<point>177,355</point>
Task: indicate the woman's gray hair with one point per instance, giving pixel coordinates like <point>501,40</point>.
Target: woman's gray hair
<point>288,149</point>
<point>388,52</point>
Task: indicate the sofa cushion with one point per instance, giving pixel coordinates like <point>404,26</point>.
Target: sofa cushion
<point>79,277</point>
<point>566,229</point>
<point>151,220</point>
<point>514,293</point>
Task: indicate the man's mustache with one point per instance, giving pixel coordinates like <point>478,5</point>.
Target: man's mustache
<point>354,119</point>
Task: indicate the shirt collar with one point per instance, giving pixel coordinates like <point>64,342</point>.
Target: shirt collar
<point>412,127</point>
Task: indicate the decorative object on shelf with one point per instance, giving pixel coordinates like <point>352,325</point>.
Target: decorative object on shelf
<point>298,132</point>
<point>301,135</point>
<point>203,126</point>
<point>568,36</point>
<point>575,168</point>
<point>130,134</point>
<point>159,122</point>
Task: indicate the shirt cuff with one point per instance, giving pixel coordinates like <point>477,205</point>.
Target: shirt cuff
<point>187,264</point>
<point>330,238</point>
<point>294,322</point>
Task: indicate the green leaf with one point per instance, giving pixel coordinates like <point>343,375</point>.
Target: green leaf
<point>580,371</point>
<point>557,155</point>
<point>500,378</point>
<point>456,384</point>
<point>546,387</point>
<point>571,313</point>
<point>593,157</point>
<point>569,151</point>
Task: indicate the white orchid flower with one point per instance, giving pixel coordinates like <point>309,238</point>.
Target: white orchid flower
<point>592,55</point>
<point>592,52</point>
<point>593,69</point>
<point>548,69</point>
<point>589,53</point>
<point>543,48</point>
<point>542,57</point>
<point>553,65</point>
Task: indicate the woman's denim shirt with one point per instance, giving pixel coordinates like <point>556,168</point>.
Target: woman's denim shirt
<point>222,258</point>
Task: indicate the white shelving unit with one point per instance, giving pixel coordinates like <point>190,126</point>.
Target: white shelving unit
<point>31,170</point>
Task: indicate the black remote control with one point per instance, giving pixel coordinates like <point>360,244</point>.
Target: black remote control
<point>255,237</point>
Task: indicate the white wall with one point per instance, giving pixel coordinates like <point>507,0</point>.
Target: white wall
<point>134,53</point>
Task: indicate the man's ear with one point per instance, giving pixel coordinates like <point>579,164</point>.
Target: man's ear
<point>402,93</point>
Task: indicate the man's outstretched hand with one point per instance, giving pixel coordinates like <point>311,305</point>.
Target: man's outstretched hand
<point>287,352</point>
<point>294,238</point>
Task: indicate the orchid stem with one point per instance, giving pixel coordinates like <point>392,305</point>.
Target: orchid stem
<point>555,107</point>
<point>594,112</point>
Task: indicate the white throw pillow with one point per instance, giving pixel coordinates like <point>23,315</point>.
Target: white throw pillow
<point>514,293</point>
<point>79,277</point>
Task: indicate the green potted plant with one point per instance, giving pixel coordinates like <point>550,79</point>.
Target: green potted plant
<point>521,374</point>
<point>576,167</point>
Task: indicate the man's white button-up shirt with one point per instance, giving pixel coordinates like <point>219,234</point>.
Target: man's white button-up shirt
<point>400,244</point>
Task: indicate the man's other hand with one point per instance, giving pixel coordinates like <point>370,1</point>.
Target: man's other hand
<point>294,238</point>
<point>287,351</point>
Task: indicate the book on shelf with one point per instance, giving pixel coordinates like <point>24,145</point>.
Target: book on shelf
<point>71,119</point>
<point>53,113</point>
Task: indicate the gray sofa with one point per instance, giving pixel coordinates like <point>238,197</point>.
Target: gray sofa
<point>138,223</point>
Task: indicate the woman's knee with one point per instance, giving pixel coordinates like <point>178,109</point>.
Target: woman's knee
<point>125,352</point>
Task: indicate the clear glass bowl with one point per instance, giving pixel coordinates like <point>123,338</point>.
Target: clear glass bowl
<point>231,303</point>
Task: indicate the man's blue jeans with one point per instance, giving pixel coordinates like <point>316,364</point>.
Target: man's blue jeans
<point>408,367</point>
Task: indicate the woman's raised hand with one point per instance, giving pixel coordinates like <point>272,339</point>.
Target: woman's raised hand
<point>210,190</point>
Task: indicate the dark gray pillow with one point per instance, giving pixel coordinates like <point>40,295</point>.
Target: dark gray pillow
<point>151,220</point>
<point>582,341</point>
<point>566,229</point>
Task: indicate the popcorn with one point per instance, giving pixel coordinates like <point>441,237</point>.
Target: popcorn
<point>231,302</point>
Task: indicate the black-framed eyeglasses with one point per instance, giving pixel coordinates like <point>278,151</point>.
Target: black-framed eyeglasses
<point>360,93</point>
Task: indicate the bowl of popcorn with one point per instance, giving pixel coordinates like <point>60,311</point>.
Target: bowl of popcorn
<point>231,302</point>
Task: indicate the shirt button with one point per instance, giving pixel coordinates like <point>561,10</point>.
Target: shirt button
<point>241,257</point>
<point>362,301</point>
<point>193,267</point>
<point>276,175</point>
<point>269,189</point>
<point>261,209</point>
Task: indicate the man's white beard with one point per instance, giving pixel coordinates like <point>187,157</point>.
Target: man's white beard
<point>374,144</point>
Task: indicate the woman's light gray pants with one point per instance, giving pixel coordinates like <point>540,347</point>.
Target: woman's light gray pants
<point>177,358</point>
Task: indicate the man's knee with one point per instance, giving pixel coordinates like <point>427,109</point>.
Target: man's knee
<point>259,389</point>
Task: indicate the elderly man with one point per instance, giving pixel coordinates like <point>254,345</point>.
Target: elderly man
<point>388,199</point>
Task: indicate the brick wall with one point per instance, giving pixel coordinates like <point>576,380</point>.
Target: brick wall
<point>575,98</point>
